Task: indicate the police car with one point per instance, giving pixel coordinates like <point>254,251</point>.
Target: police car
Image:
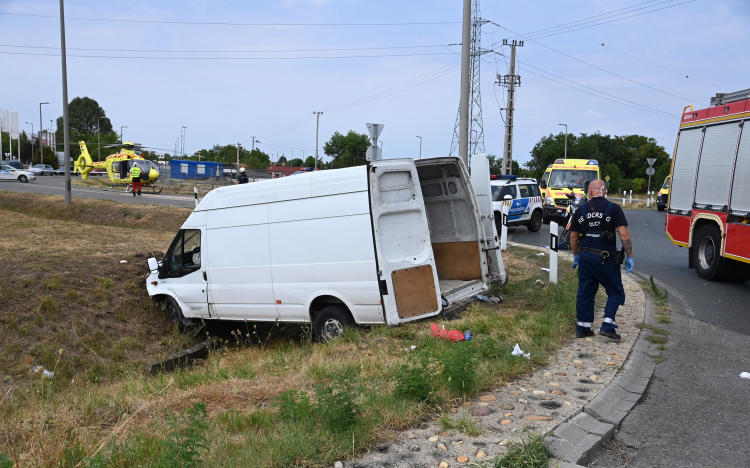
<point>524,198</point>
<point>8,172</point>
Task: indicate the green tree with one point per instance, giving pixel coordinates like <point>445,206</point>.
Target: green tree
<point>616,181</point>
<point>49,157</point>
<point>84,114</point>
<point>296,162</point>
<point>639,185</point>
<point>347,150</point>
<point>309,162</point>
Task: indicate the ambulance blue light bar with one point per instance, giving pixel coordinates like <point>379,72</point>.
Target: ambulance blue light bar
<point>593,162</point>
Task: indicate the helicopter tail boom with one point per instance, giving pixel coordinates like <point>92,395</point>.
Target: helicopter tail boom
<point>84,163</point>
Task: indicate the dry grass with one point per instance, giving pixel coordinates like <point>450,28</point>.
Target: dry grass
<point>99,398</point>
<point>171,187</point>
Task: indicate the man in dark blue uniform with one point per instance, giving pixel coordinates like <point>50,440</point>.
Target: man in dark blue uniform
<point>596,255</point>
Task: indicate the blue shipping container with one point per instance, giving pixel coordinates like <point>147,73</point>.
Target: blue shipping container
<point>195,169</point>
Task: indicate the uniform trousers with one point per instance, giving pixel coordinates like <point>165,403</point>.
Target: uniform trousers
<point>592,273</point>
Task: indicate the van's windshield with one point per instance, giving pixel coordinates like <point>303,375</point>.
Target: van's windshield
<point>571,177</point>
<point>666,184</point>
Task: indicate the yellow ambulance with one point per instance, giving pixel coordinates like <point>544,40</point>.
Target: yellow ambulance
<point>560,178</point>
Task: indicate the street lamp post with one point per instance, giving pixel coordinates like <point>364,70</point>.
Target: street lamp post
<point>184,132</point>
<point>420,146</point>
<point>41,150</point>
<point>32,144</point>
<point>317,130</point>
<point>122,140</point>
<point>565,156</point>
<point>98,141</point>
<point>49,137</point>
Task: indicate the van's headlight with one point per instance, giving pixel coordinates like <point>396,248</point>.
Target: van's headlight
<point>548,201</point>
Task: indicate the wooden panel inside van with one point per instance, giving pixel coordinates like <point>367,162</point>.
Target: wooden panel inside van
<point>457,261</point>
<point>414,289</point>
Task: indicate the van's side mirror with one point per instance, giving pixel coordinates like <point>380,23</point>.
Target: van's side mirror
<point>508,197</point>
<point>542,184</point>
<point>586,187</point>
<point>153,265</point>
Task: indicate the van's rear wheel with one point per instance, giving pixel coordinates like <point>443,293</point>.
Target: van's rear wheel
<point>709,264</point>
<point>535,223</point>
<point>331,322</point>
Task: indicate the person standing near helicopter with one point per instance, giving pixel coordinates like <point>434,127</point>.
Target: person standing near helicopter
<point>135,177</point>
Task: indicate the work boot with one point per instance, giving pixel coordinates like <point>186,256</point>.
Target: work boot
<point>611,334</point>
<point>133,192</point>
<point>139,193</point>
<point>585,334</point>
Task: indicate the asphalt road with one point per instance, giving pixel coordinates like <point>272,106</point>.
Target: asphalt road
<point>726,305</point>
<point>694,413</point>
<point>55,185</point>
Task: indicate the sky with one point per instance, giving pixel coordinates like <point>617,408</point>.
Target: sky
<point>231,70</point>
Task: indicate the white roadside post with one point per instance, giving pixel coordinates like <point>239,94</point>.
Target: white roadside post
<point>195,191</point>
<point>623,199</point>
<point>504,228</point>
<point>553,252</point>
<point>631,195</point>
<point>648,199</point>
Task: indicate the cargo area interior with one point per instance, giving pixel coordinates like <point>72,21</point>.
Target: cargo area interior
<point>453,226</point>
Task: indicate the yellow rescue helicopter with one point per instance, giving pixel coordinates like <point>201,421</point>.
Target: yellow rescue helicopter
<point>118,167</point>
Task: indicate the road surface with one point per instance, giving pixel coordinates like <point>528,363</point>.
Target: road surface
<point>694,413</point>
<point>55,185</point>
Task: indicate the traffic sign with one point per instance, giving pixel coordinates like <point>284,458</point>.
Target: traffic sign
<point>607,178</point>
<point>375,130</point>
<point>650,171</point>
<point>651,162</point>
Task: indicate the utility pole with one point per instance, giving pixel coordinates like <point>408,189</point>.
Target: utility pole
<point>317,131</point>
<point>184,135</point>
<point>98,140</point>
<point>237,168</point>
<point>66,127</point>
<point>511,80</point>
<point>463,110</point>
<point>420,146</point>
<point>41,128</point>
<point>31,161</point>
<point>122,140</point>
<point>254,142</point>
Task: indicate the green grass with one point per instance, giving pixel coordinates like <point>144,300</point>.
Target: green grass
<point>660,340</point>
<point>663,318</point>
<point>657,330</point>
<point>531,453</point>
<point>659,297</point>
<point>465,425</point>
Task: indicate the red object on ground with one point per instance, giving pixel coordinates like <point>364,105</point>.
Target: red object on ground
<point>453,335</point>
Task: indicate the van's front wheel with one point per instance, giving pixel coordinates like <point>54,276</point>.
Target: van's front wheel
<point>331,322</point>
<point>174,314</point>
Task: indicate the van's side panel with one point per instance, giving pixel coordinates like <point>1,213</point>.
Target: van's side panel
<point>239,264</point>
<point>323,246</point>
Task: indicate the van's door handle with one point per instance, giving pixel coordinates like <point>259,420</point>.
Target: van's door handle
<point>204,276</point>
<point>383,287</point>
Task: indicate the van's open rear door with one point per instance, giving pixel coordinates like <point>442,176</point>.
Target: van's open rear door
<point>406,264</point>
<point>480,181</point>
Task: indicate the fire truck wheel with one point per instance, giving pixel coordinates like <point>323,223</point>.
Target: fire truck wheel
<point>709,264</point>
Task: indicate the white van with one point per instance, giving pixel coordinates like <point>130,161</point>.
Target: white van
<point>390,242</point>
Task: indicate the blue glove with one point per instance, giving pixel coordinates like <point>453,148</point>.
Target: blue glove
<point>576,260</point>
<point>629,264</point>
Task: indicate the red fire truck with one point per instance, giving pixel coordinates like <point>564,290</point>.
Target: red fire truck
<point>709,202</point>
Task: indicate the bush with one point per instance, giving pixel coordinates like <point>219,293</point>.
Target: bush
<point>639,185</point>
<point>416,380</point>
<point>460,369</point>
<point>294,405</point>
<point>49,158</point>
<point>337,407</point>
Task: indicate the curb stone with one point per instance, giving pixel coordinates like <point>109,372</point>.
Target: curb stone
<point>602,416</point>
<point>553,401</point>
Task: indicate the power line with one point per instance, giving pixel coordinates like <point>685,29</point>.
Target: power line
<point>229,58</point>
<point>230,51</point>
<point>611,21</point>
<point>604,70</point>
<point>616,99</point>
<point>224,23</point>
<point>616,50</point>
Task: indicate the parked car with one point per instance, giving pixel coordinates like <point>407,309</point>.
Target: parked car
<point>42,169</point>
<point>98,172</point>
<point>524,198</point>
<point>11,173</point>
<point>61,171</point>
<point>17,164</point>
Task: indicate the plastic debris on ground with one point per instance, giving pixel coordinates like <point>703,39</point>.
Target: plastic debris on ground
<point>467,335</point>
<point>745,375</point>
<point>410,348</point>
<point>539,282</point>
<point>545,269</point>
<point>43,371</point>
<point>123,261</point>
<point>482,298</point>
<point>497,299</point>
<point>540,254</point>
<point>517,351</point>
<point>453,335</point>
